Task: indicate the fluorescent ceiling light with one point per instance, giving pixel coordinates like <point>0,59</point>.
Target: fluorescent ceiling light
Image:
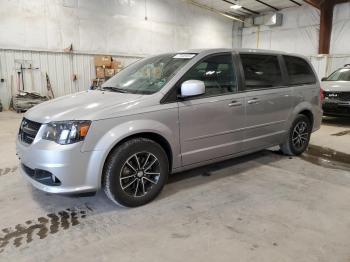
<point>235,6</point>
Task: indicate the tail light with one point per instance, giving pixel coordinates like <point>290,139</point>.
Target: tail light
<point>322,95</point>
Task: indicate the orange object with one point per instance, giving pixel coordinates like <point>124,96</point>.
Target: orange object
<point>103,61</point>
<point>84,130</point>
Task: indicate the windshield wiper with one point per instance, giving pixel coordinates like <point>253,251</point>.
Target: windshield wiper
<point>114,89</point>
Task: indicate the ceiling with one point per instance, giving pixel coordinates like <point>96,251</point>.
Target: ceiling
<point>249,7</point>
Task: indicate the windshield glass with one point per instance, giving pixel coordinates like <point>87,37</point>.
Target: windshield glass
<point>340,75</point>
<point>148,75</point>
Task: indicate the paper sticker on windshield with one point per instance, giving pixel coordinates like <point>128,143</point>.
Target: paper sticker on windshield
<point>185,56</point>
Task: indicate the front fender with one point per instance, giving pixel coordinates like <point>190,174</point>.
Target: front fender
<point>121,131</point>
<point>105,134</point>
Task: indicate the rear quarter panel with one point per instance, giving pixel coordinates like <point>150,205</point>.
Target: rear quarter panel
<point>307,97</point>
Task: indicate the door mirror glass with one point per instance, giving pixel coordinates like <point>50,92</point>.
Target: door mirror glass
<point>192,88</point>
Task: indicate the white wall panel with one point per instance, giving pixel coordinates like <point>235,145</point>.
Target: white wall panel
<point>340,40</point>
<point>327,64</point>
<point>118,27</point>
<point>59,66</point>
<point>111,26</point>
<point>298,33</point>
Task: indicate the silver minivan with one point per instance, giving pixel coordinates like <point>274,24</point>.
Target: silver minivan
<point>166,114</point>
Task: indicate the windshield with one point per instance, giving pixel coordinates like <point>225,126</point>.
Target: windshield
<point>148,75</point>
<point>340,75</point>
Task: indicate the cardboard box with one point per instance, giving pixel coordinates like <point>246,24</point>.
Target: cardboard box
<point>100,72</point>
<point>104,61</point>
<point>157,72</point>
<point>116,64</point>
<point>109,72</point>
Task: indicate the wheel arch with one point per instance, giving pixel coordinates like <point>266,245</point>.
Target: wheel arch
<point>303,108</point>
<point>159,139</point>
<point>308,113</point>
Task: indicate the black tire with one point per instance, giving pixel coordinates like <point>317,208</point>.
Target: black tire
<point>291,148</point>
<point>122,168</point>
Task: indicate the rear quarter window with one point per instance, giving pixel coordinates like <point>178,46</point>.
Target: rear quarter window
<point>299,71</point>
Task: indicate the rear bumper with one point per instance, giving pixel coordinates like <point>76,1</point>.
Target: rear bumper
<point>72,171</point>
<point>317,113</point>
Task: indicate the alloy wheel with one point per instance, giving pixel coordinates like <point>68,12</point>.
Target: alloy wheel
<point>300,135</point>
<point>139,174</point>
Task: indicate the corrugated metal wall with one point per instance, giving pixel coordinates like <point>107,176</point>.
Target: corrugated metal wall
<point>60,67</point>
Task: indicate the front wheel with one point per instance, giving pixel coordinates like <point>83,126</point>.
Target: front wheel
<point>135,172</point>
<point>298,137</point>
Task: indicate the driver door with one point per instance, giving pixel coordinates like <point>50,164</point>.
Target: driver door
<point>211,125</point>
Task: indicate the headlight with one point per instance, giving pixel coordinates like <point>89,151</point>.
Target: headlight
<point>66,132</point>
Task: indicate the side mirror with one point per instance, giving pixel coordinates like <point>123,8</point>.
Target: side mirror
<point>192,88</point>
<point>324,78</point>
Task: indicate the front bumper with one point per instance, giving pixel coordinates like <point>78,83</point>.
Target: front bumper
<point>336,107</point>
<point>76,171</point>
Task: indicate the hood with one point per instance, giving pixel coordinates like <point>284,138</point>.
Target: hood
<point>82,106</point>
<point>336,86</point>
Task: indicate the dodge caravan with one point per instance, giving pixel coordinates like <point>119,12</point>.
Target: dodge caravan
<point>166,114</point>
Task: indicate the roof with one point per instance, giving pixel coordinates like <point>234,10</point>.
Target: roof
<point>239,50</point>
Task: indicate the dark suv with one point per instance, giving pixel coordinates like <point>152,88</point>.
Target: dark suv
<point>337,92</point>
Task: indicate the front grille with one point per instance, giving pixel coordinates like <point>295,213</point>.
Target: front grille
<point>28,130</point>
<point>335,109</point>
<point>341,96</point>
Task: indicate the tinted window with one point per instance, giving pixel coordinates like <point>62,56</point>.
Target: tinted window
<point>299,71</point>
<point>216,72</point>
<point>261,71</point>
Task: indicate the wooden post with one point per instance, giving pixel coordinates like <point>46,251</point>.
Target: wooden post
<point>326,8</point>
<point>326,20</point>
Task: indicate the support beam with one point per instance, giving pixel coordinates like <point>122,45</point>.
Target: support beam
<point>326,8</point>
<point>326,20</point>
<point>295,2</point>
<point>314,3</point>
<point>268,5</point>
<point>244,8</point>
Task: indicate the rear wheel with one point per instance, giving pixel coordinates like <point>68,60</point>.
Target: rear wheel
<point>298,137</point>
<point>135,172</point>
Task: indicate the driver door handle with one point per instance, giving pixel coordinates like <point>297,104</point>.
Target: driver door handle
<point>235,103</point>
<point>253,101</point>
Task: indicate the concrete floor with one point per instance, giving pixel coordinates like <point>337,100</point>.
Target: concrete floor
<point>334,134</point>
<point>262,207</point>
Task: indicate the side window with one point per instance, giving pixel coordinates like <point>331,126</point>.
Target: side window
<point>299,71</point>
<point>216,72</point>
<point>261,71</point>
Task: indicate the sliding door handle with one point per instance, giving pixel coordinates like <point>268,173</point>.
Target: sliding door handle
<point>253,101</point>
<point>235,103</point>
